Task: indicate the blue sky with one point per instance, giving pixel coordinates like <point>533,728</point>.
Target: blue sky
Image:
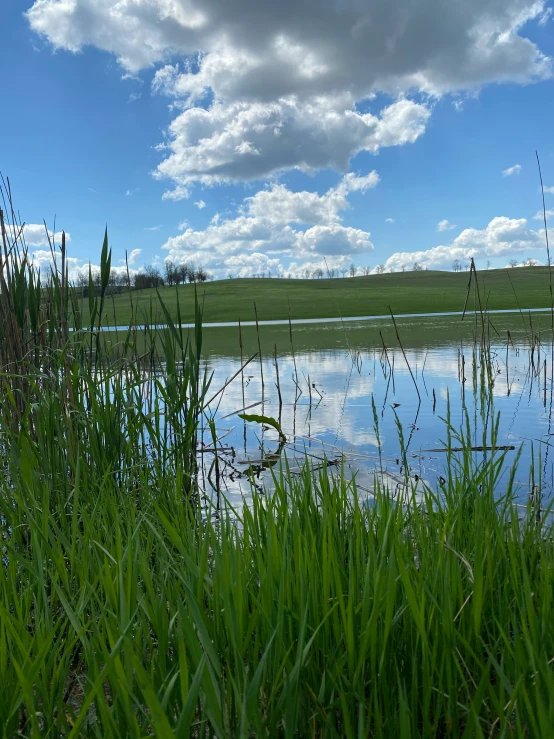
<point>274,119</point>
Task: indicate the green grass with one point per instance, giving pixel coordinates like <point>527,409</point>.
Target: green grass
<point>404,292</point>
<point>124,613</point>
<point>129,608</point>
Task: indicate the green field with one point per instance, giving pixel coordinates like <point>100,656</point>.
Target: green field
<point>404,292</point>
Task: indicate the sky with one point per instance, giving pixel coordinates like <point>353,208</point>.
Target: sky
<point>254,137</point>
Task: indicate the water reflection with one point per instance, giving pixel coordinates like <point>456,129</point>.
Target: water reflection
<point>330,396</point>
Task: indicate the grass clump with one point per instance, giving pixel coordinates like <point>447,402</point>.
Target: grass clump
<point>124,612</point>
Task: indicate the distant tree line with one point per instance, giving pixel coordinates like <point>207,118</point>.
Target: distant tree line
<point>458,267</point>
<point>150,276</point>
<point>178,274</point>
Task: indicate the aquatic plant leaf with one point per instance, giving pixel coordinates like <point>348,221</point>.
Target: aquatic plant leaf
<point>268,420</point>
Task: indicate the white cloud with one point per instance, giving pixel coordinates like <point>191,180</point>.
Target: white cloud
<point>301,269</point>
<point>153,228</point>
<point>288,227</point>
<point>503,236</point>
<point>516,169</point>
<point>207,145</point>
<point>133,255</point>
<point>280,205</point>
<point>129,193</point>
<point>134,96</point>
<point>42,259</point>
<point>247,265</point>
<point>445,225</point>
<point>389,220</point>
<point>287,85</point>
<point>35,234</point>
<point>545,17</point>
<point>290,48</point>
<point>549,190</point>
<point>539,215</point>
<point>200,204</point>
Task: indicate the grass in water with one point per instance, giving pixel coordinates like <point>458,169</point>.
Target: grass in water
<point>128,610</point>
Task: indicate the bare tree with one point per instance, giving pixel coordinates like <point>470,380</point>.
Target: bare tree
<point>530,263</point>
<point>191,272</point>
<point>169,272</point>
<point>112,279</point>
<point>149,277</point>
<point>513,263</point>
<point>380,268</point>
<point>182,274</point>
<point>456,266</point>
<point>488,264</point>
<point>366,271</point>
<point>318,273</point>
<point>417,267</point>
<point>123,280</point>
<point>353,269</point>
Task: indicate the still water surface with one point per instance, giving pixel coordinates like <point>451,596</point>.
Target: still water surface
<point>332,377</point>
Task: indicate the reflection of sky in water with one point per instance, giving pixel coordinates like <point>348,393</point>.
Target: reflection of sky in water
<point>340,416</point>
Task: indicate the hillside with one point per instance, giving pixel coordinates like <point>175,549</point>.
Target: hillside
<point>404,292</point>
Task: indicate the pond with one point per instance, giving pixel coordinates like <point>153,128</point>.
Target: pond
<point>340,390</point>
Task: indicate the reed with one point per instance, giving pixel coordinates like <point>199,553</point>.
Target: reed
<point>124,612</point>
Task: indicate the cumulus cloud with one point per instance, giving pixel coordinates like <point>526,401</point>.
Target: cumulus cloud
<point>290,228</point>
<point>200,204</point>
<point>539,215</point>
<point>516,169</point>
<point>35,234</point>
<point>134,255</point>
<point>284,85</point>
<point>252,140</point>
<point>42,260</point>
<point>445,225</point>
<point>310,47</point>
<point>503,236</point>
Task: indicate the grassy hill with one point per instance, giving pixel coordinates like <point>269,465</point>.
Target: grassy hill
<point>405,292</point>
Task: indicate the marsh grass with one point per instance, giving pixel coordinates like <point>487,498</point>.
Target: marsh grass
<point>124,612</point>
<point>130,609</point>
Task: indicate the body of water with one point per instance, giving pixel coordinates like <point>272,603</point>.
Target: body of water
<point>340,392</point>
